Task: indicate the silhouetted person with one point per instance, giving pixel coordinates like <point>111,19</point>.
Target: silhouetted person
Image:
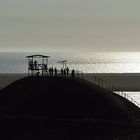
<point>55,72</point>
<point>35,64</point>
<point>67,71</point>
<point>61,72</point>
<point>45,67</point>
<point>52,71</point>
<point>73,73</point>
<point>64,72</point>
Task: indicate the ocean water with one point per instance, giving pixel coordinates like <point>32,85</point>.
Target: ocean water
<point>134,95</point>
<point>87,62</point>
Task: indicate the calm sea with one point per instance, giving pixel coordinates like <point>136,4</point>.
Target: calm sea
<point>88,62</point>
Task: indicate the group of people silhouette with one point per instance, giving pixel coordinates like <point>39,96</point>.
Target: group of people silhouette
<point>64,72</point>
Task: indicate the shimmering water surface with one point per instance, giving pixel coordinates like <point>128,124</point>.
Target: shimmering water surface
<point>88,62</point>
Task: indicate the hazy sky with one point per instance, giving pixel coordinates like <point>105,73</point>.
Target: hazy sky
<point>87,25</point>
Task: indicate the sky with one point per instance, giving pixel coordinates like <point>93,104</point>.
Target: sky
<point>70,25</point>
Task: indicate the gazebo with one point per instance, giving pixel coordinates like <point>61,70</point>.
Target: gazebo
<point>64,63</point>
<point>37,64</point>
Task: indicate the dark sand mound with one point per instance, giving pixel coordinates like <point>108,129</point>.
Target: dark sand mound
<point>62,98</point>
<point>60,108</point>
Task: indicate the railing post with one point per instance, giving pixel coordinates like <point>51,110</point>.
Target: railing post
<point>100,82</point>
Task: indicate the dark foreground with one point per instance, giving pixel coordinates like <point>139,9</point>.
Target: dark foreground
<point>59,108</point>
<point>51,129</point>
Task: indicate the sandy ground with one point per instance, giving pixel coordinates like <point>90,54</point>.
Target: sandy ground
<point>122,81</point>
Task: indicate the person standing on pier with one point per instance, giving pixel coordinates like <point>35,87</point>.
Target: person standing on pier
<point>55,71</point>
<point>35,64</point>
<point>64,72</point>
<point>52,71</point>
<point>61,72</point>
<point>73,73</point>
<point>67,71</point>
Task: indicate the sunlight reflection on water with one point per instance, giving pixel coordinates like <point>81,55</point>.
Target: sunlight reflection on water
<point>134,95</point>
<point>89,63</point>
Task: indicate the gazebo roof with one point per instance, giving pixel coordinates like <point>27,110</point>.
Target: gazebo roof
<point>63,61</point>
<point>37,56</point>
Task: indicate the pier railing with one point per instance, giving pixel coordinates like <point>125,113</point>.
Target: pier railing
<point>97,81</point>
<point>77,74</point>
<point>128,98</point>
<point>106,85</point>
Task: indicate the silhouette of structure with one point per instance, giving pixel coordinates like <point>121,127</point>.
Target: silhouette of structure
<point>37,64</point>
<point>64,64</point>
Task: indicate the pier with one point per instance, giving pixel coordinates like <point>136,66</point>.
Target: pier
<point>117,83</point>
